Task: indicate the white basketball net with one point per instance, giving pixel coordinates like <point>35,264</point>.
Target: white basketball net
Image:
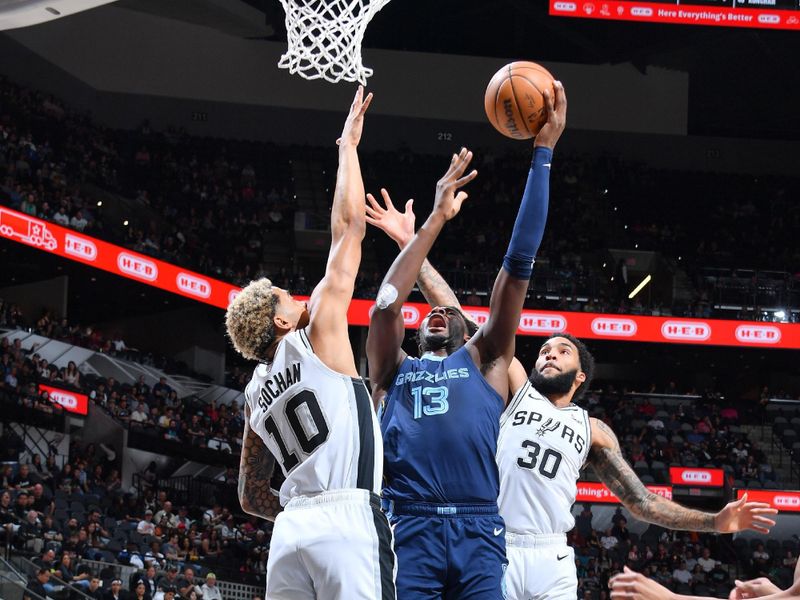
<point>325,38</point>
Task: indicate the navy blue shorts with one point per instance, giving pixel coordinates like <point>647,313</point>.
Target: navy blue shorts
<point>448,552</point>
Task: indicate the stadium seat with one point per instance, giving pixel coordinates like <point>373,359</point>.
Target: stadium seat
<point>780,426</point>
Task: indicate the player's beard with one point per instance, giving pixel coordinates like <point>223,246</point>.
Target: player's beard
<point>557,385</point>
<point>438,341</point>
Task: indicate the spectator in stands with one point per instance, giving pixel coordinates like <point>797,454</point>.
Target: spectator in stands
<point>51,534</point>
<point>36,585</point>
<point>162,388</point>
<point>155,557</point>
<point>706,562</point>
<point>682,574</point>
<point>186,583</point>
<point>8,519</point>
<point>183,518</point>
<point>139,415</point>
<point>72,376</point>
<point>169,578</point>
<point>41,504</point>
<point>115,591</point>
<point>165,517</point>
<point>95,590</point>
<point>23,479</point>
<point>213,516</point>
<point>30,533</point>
<point>66,574</point>
<point>146,525</point>
<point>761,560</point>
<point>209,589</point>
<point>171,591</point>
<point>140,591</point>
<point>609,540</point>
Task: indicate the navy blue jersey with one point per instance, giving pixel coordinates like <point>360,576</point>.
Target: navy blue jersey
<point>440,427</point>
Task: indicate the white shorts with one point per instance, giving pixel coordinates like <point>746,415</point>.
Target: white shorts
<point>334,546</point>
<point>540,567</point>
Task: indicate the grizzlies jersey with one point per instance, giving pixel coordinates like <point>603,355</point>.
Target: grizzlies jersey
<point>540,453</point>
<point>440,426</point>
<point>318,424</point>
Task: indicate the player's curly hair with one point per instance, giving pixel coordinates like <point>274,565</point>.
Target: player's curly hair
<point>249,319</point>
<point>586,364</point>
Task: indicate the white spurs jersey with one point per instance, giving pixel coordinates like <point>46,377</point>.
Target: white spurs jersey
<point>317,423</point>
<point>540,452</point>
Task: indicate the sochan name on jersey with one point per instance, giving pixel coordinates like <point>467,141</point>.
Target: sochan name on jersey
<point>277,384</point>
<point>525,417</point>
<point>462,373</point>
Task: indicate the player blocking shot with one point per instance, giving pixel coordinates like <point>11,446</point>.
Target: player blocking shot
<point>441,412</point>
<point>545,440</point>
<point>308,411</point>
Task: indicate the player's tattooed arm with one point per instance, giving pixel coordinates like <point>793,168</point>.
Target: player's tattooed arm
<point>606,458</point>
<point>256,467</point>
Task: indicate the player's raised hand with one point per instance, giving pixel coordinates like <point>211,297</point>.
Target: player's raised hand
<point>754,588</point>
<point>741,515</point>
<point>397,225</point>
<point>354,124</point>
<point>449,196</point>
<point>555,102</point>
<point>630,585</point>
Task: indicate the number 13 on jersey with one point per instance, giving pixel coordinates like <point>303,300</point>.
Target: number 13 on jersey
<point>429,401</point>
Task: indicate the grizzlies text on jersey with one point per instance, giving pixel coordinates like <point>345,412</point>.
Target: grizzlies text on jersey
<point>440,428</point>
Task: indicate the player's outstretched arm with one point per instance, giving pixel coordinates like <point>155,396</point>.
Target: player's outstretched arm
<point>496,338</point>
<point>630,585</point>
<point>256,467</point>
<point>386,331</point>
<point>760,587</point>
<point>399,226</point>
<point>612,469</point>
<point>332,296</point>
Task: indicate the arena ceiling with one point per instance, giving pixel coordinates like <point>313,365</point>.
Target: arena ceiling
<point>747,77</point>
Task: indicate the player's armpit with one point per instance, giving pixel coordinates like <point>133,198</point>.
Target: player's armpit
<point>612,469</point>
<point>256,467</point>
<point>517,376</point>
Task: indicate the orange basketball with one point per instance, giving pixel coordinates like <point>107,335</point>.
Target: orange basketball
<point>514,102</point>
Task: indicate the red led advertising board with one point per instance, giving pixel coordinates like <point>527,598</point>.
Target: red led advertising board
<point>598,492</point>
<point>761,14</point>
<point>783,500</point>
<point>72,245</point>
<point>74,402</point>
<point>693,476</point>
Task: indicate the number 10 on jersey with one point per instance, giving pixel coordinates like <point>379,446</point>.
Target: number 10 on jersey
<point>429,401</point>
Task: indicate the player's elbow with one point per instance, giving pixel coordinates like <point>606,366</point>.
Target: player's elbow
<point>350,226</point>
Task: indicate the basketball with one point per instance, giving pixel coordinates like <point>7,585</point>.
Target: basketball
<point>514,102</point>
